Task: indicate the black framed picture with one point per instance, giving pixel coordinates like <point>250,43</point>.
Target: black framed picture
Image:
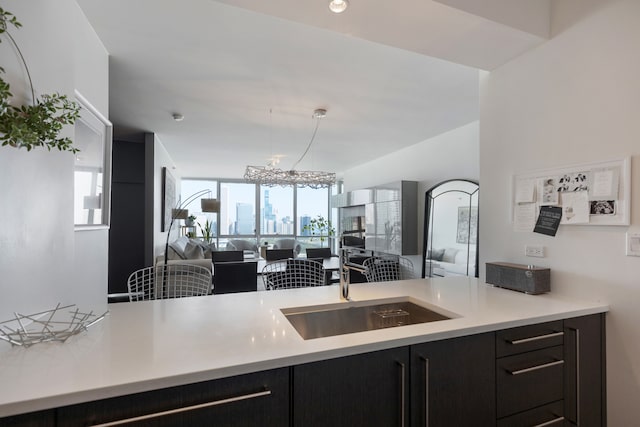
<point>168,198</point>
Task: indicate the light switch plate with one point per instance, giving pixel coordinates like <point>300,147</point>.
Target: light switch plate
<point>633,244</point>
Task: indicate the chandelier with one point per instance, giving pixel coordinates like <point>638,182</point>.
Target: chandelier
<point>271,176</point>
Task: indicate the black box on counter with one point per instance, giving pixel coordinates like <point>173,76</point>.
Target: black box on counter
<point>518,277</point>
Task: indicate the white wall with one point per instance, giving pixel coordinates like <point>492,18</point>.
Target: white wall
<point>43,261</point>
<point>574,99</point>
<point>453,154</point>
<point>161,158</point>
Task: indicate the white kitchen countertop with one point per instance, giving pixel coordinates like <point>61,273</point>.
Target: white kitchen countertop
<point>148,345</point>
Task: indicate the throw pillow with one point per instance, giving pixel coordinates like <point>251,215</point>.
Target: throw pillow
<point>435,254</point>
<point>177,247</point>
<point>193,250</point>
<point>449,255</point>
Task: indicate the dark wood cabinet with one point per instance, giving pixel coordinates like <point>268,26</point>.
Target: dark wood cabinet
<point>369,389</point>
<point>550,415</point>
<point>528,380</point>
<point>453,382</point>
<point>34,419</point>
<point>584,381</point>
<point>552,373</point>
<point>247,400</point>
<point>530,375</point>
<point>548,374</point>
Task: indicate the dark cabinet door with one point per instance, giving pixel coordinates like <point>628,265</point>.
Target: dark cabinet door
<point>33,419</point>
<point>369,389</point>
<point>246,400</point>
<point>453,382</point>
<point>585,397</point>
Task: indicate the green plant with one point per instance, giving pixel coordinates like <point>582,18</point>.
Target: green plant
<point>37,125</point>
<point>207,231</point>
<point>321,227</point>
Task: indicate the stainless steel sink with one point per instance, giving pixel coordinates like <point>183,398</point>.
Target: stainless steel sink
<point>358,316</point>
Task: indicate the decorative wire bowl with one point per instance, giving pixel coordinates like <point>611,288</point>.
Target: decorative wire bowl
<point>50,325</point>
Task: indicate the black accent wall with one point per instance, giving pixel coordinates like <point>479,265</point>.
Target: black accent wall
<point>127,232</point>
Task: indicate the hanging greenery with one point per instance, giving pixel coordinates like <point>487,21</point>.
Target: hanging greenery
<point>39,124</point>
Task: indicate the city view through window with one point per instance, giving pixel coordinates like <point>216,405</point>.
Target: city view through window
<point>275,211</point>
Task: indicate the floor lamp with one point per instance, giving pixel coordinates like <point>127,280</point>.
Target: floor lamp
<point>180,212</point>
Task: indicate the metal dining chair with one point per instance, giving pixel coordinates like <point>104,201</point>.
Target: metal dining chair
<point>293,273</point>
<point>169,281</point>
<point>388,268</point>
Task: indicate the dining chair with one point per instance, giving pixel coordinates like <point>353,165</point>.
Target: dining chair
<point>293,273</point>
<point>388,268</point>
<point>169,281</point>
<point>227,256</point>
<point>288,244</point>
<point>318,252</point>
<point>230,277</point>
<point>278,254</point>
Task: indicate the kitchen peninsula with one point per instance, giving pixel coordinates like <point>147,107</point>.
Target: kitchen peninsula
<point>149,346</point>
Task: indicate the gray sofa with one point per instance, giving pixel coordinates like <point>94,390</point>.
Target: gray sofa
<point>185,250</point>
<point>241,245</point>
<point>450,262</point>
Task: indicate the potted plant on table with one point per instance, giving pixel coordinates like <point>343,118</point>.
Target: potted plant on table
<point>207,231</point>
<point>190,221</point>
<point>321,227</point>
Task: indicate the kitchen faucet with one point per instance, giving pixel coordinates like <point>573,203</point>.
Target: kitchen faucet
<point>345,268</point>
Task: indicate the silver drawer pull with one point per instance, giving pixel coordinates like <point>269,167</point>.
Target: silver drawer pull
<point>535,368</point>
<point>548,423</point>
<point>539,337</point>
<point>184,409</point>
<point>402,387</point>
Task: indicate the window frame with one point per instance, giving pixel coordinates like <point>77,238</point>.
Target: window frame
<point>257,235</point>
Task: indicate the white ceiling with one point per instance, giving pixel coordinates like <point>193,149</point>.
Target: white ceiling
<point>247,74</point>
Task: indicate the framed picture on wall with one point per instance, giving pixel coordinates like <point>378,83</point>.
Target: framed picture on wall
<point>467,225</point>
<point>168,198</point>
<point>92,167</point>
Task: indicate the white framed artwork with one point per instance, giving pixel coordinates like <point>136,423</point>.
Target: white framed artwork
<point>92,167</point>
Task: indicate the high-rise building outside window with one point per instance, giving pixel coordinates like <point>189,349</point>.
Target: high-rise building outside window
<point>278,211</point>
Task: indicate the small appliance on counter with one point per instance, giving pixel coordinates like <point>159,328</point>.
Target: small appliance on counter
<point>518,277</point>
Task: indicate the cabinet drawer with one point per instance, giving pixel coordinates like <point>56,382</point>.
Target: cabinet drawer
<point>550,415</point>
<point>528,380</point>
<point>261,399</point>
<point>45,418</point>
<point>528,338</point>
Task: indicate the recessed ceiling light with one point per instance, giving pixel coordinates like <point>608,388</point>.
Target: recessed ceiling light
<point>178,117</point>
<point>338,6</point>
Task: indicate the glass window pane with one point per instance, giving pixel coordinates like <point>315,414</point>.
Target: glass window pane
<point>276,211</point>
<point>206,223</point>
<point>311,204</point>
<point>237,209</point>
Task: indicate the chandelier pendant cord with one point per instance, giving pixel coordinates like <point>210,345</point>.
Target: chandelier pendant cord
<point>313,136</point>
